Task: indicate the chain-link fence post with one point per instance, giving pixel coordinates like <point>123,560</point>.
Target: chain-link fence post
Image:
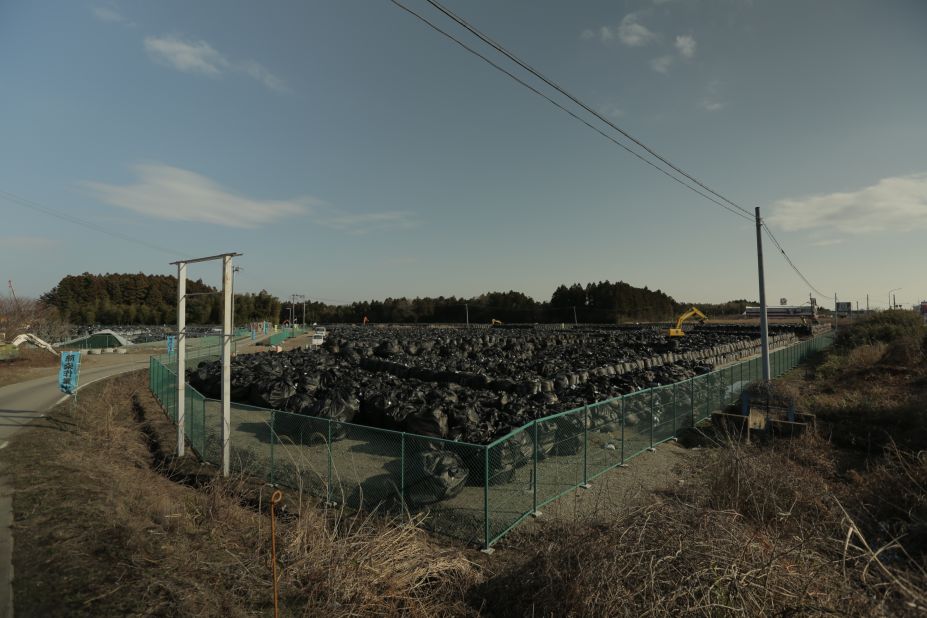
<point>328,444</point>
<point>692,399</point>
<point>622,429</point>
<point>402,470</point>
<point>534,472</point>
<point>486,498</point>
<point>707,396</point>
<point>273,426</point>
<point>585,443</point>
<point>651,419</point>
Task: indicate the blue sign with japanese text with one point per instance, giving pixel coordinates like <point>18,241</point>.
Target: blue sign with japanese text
<point>67,375</point>
<point>171,342</point>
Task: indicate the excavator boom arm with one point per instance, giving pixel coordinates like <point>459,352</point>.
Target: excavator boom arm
<point>692,312</point>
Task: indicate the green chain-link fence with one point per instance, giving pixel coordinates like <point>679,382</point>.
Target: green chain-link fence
<point>506,481</point>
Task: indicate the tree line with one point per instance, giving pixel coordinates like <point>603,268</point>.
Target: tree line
<point>152,299</point>
<point>602,302</point>
<point>149,299</point>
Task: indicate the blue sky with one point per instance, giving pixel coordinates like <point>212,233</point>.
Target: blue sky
<point>350,152</point>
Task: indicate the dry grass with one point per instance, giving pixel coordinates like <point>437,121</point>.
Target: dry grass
<point>30,363</point>
<point>101,532</point>
<point>813,526</point>
<point>760,532</point>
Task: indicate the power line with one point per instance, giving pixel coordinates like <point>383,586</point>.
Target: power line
<point>791,263</point>
<point>508,54</point>
<point>21,201</point>
<point>740,211</point>
<point>518,80</point>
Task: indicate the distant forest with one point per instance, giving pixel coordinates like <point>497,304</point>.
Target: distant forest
<point>149,299</point>
<point>152,299</point>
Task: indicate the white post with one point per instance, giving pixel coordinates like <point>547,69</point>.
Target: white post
<point>764,326</point>
<point>181,355</point>
<point>226,362</point>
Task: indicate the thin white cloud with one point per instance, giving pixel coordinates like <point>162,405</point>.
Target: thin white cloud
<point>633,33</point>
<point>612,111</point>
<point>662,64</point>
<point>175,194</point>
<point>364,223</point>
<point>27,243</point>
<point>827,242</point>
<point>686,45</point>
<point>166,192</point>
<point>630,32</point>
<point>711,105</point>
<point>110,15</point>
<point>897,203</point>
<point>258,72</point>
<point>712,102</point>
<point>199,57</point>
<point>186,56</point>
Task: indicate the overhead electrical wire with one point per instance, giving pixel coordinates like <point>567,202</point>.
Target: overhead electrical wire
<point>737,208</point>
<point>511,56</point>
<point>520,81</point>
<point>21,201</point>
<point>791,263</point>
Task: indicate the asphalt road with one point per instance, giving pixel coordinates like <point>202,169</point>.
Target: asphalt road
<point>24,402</point>
<point>20,404</point>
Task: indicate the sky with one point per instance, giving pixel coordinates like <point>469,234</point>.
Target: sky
<point>350,152</point>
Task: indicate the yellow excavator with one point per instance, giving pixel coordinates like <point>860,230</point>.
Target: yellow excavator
<point>692,312</point>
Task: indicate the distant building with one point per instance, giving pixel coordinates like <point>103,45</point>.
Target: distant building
<point>783,311</point>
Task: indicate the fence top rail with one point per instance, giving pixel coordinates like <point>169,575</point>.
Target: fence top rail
<point>632,395</point>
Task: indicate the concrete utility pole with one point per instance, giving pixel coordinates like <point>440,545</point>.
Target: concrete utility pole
<point>835,312</point>
<point>867,304</point>
<point>181,354</point>
<point>226,353</point>
<point>575,321</point>
<point>226,363</point>
<point>764,325</point>
<point>467,310</point>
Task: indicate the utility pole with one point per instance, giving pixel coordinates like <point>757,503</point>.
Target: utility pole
<point>867,304</point>
<point>467,310</point>
<point>575,321</point>
<point>764,326</point>
<point>835,312</point>
<point>181,355</point>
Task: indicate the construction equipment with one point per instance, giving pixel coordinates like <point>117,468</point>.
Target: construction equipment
<point>692,312</point>
<point>495,322</point>
<point>30,338</point>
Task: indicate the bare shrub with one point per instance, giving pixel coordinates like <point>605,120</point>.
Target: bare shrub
<point>768,488</point>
